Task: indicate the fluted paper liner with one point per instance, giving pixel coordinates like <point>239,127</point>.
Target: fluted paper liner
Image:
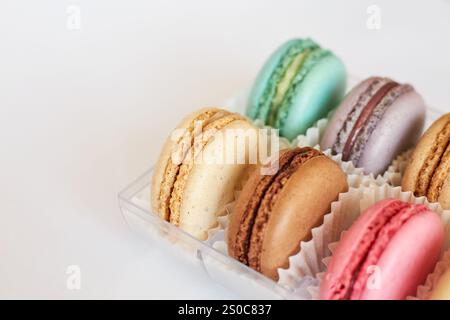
<point>313,135</point>
<point>343,214</point>
<point>424,291</point>
<point>308,263</point>
<point>394,173</point>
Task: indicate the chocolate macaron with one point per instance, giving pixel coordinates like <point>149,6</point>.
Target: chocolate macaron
<point>377,120</point>
<point>274,213</point>
<point>428,172</point>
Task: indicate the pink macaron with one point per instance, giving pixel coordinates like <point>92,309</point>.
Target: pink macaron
<point>386,254</point>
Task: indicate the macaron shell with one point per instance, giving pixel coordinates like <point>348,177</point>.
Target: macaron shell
<point>407,260</point>
<point>420,238</point>
<point>166,153</point>
<point>301,204</point>
<point>235,219</point>
<point>209,187</point>
<point>349,247</point>
<point>340,115</point>
<point>245,213</point>
<point>264,75</point>
<point>398,130</point>
<point>444,197</point>
<point>158,174</point>
<point>210,131</point>
<point>315,97</point>
<point>421,153</point>
<point>300,156</point>
<point>440,178</point>
<point>442,289</point>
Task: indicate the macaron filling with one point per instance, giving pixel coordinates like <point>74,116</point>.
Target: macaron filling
<point>248,218</point>
<point>310,62</point>
<point>249,239</point>
<point>352,117</point>
<point>351,283</point>
<point>268,202</point>
<point>365,116</point>
<point>216,123</point>
<point>182,158</point>
<point>183,144</point>
<point>285,83</point>
<point>283,74</point>
<point>436,167</point>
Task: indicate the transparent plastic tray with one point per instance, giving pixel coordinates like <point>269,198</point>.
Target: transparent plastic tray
<point>134,202</point>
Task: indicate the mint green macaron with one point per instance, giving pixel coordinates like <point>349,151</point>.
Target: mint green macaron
<point>298,85</point>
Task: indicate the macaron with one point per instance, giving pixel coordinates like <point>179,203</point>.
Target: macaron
<point>428,171</point>
<point>191,180</point>
<point>386,254</point>
<point>376,121</point>
<point>299,84</point>
<point>274,213</point>
<point>440,288</point>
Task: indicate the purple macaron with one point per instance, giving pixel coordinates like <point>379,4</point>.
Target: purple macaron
<point>376,121</point>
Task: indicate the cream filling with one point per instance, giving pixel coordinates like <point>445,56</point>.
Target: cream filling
<point>182,147</point>
<point>208,133</point>
<point>285,83</point>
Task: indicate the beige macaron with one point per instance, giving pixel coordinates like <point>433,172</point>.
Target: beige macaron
<point>194,177</point>
<point>428,171</point>
<point>441,290</point>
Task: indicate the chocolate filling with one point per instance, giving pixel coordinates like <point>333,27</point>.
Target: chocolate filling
<point>249,215</point>
<point>267,204</point>
<point>249,238</point>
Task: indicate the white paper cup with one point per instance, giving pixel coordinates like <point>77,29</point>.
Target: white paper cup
<point>344,213</point>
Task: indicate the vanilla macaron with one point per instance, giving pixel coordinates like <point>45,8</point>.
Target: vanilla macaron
<point>193,178</point>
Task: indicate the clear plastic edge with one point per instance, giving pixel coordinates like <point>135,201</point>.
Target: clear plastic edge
<point>232,274</point>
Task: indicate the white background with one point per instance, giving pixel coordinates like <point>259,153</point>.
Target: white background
<point>84,112</point>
